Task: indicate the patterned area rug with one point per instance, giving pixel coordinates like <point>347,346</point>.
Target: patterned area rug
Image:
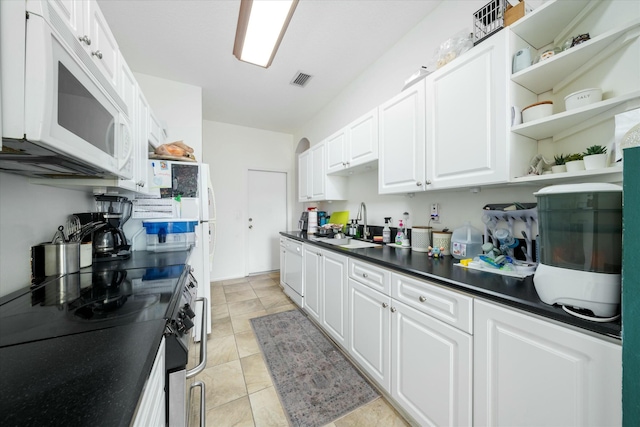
<point>316,383</point>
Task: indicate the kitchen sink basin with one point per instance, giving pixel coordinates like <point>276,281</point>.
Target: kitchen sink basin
<point>348,243</point>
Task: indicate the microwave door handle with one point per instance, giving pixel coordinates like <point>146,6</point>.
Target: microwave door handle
<point>126,135</point>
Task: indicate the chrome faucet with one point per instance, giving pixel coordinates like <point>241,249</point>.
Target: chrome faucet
<point>365,229</point>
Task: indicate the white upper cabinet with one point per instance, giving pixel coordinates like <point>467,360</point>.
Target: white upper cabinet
<point>90,27</point>
<point>313,182</point>
<point>401,166</point>
<point>467,129</point>
<point>354,148</point>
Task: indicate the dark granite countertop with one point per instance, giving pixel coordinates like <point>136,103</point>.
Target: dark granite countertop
<point>91,378</point>
<point>514,292</point>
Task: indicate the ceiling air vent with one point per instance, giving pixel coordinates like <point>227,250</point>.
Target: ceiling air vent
<point>300,79</point>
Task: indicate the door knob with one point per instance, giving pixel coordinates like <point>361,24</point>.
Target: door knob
<point>251,226</point>
<point>385,305</point>
<point>97,53</point>
<point>250,219</point>
<point>422,299</point>
<point>85,39</point>
<point>393,309</point>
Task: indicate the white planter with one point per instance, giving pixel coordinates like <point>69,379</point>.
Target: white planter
<point>558,168</point>
<point>595,161</point>
<point>576,165</point>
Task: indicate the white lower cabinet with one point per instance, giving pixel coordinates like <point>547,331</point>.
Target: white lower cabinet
<point>370,323</point>
<point>532,372</point>
<point>151,407</point>
<point>334,306</point>
<point>312,269</point>
<point>431,368</point>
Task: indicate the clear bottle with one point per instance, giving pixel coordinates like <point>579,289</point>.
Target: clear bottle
<point>400,234</point>
<point>386,231</point>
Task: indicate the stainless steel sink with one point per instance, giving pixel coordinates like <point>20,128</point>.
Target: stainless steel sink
<point>348,243</point>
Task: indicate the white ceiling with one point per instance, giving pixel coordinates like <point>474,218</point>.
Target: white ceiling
<point>192,42</point>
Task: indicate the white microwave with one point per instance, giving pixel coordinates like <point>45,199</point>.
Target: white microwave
<point>54,107</point>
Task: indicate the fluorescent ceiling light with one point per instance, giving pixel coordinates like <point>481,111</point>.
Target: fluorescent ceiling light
<point>261,27</point>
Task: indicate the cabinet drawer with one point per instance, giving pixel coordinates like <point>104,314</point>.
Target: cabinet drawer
<point>451,307</point>
<point>368,274</point>
<point>293,246</point>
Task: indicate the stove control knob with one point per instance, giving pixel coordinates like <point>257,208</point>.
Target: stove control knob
<point>186,324</point>
<point>187,310</point>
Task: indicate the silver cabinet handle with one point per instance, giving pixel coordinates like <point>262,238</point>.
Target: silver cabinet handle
<point>85,39</point>
<point>365,275</point>
<point>203,340</point>
<point>385,305</point>
<point>428,182</point>
<point>250,219</point>
<point>418,183</point>
<point>97,53</point>
<point>250,227</point>
<point>422,299</point>
<point>202,404</point>
<point>393,309</point>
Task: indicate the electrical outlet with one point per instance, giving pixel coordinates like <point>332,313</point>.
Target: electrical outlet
<point>435,212</point>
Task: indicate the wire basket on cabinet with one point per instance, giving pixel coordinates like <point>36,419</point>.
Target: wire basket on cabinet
<point>487,20</point>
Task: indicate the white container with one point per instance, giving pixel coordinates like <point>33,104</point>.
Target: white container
<point>466,242</point>
<point>582,97</point>
<point>442,239</point>
<point>537,111</point>
<point>421,237</point>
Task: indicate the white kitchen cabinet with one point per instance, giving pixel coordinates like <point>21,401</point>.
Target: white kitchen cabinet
<point>401,166</point>
<point>467,129</point>
<point>313,278</point>
<point>532,372</point>
<point>431,372</point>
<point>354,148</point>
<point>142,123</point>
<point>283,258</point>
<point>335,297</point>
<point>313,182</point>
<point>86,21</point>
<point>156,134</point>
<point>370,331</point>
<point>151,407</point>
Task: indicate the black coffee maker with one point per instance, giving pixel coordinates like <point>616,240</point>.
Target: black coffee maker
<point>109,242</point>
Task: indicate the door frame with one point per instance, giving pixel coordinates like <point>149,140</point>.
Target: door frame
<point>245,216</point>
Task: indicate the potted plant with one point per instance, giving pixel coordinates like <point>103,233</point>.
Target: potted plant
<point>560,166</point>
<point>574,162</point>
<point>595,157</point>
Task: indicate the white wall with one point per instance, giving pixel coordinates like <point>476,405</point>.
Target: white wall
<point>177,104</point>
<point>231,151</point>
<point>30,214</point>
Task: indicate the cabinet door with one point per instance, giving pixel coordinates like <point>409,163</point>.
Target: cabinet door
<point>283,260</point>
<point>336,149</point>
<point>312,271</point>
<point>431,368</point>
<point>402,142</point>
<point>128,91</point>
<point>370,328</point>
<point>304,176</point>
<point>466,118</point>
<point>531,372</point>
<point>156,137</point>
<point>103,48</point>
<point>318,171</point>
<point>335,296</point>
<point>71,11</point>
<point>363,140</point>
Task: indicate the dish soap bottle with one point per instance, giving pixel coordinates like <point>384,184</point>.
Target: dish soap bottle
<point>386,231</point>
<point>400,234</point>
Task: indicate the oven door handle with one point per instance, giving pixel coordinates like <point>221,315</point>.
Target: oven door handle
<point>202,403</point>
<point>203,340</point>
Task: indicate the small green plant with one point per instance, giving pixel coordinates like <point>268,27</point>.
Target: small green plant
<point>573,157</point>
<point>560,159</point>
<point>595,149</point>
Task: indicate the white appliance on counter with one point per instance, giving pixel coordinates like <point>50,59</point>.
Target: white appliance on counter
<point>60,115</point>
<point>192,183</point>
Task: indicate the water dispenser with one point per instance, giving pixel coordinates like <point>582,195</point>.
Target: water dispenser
<point>580,228</point>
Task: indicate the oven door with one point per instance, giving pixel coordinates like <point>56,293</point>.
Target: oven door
<point>186,396</point>
<point>66,109</point>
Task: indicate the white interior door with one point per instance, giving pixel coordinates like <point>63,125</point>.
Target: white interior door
<point>267,216</point>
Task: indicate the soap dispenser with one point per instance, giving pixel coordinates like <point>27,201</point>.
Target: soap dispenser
<point>399,234</point>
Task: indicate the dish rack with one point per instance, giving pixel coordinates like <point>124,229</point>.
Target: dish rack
<point>491,218</point>
<point>488,19</point>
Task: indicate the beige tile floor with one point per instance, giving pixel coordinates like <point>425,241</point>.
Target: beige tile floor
<point>239,389</point>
